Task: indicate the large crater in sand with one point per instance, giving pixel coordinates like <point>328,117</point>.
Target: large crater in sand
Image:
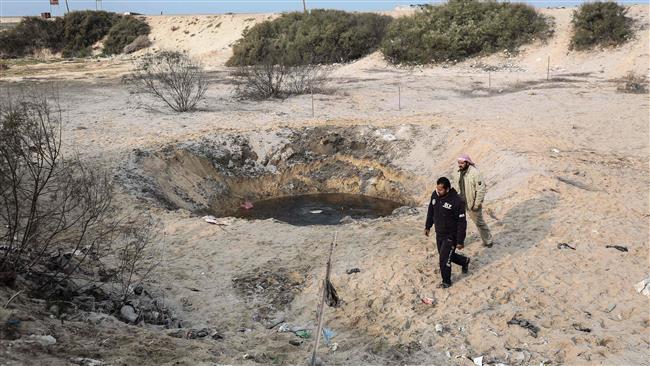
<point>218,173</point>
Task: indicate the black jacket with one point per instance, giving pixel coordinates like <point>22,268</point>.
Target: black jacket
<point>448,215</point>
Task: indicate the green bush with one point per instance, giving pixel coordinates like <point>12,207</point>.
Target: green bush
<point>30,34</point>
<point>73,34</point>
<point>125,31</point>
<point>600,24</point>
<point>461,29</point>
<point>84,28</point>
<point>320,36</point>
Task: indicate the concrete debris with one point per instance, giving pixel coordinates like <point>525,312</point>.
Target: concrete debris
<point>44,340</point>
<point>405,211</point>
<point>128,314</point>
<point>196,333</point>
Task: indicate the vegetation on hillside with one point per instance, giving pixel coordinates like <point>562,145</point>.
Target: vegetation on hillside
<point>73,35</point>
<point>462,28</point>
<point>318,37</point>
<point>600,24</point>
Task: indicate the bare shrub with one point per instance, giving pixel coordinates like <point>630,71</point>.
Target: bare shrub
<point>172,77</point>
<point>278,81</point>
<point>55,211</point>
<point>633,83</point>
<point>135,254</point>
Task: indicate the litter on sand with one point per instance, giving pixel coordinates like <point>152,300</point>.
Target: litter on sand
<point>617,247</point>
<point>478,361</point>
<point>532,329</point>
<point>316,211</point>
<point>211,220</point>
<point>333,299</point>
<point>353,270</point>
<point>565,246</point>
<point>328,334</point>
<point>427,300</point>
<point>305,334</point>
<point>247,205</point>
<point>643,287</point>
<point>580,328</point>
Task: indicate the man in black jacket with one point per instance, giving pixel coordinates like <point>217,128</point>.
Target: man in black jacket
<point>447,213</point>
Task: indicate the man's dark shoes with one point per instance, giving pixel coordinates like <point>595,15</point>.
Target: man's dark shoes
<point>444,285</point>
<point>466,266</point>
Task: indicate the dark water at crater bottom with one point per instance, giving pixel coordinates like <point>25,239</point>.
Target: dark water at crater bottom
<point>319,209</point>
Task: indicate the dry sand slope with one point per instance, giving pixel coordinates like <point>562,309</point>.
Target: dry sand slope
<point>566,160</point>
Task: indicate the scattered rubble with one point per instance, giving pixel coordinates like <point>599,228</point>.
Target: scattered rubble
<point>196,333</point>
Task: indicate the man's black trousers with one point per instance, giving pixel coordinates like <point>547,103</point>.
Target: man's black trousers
<point>447,253</point>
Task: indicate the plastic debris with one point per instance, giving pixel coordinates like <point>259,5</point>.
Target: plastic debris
<point>565,246</point>
<point>305,334</point>
<point>478,361</point>
<point>580,328</point>
<point>532,329</point>
<point>333,299</point>
<point>617,247</point>
<point>247,205</point>
<point>353,270</point>
<point>328,334</point>
<point>316,211</point>
<point>439,328</point>
<point>223,221</point>
<point>610,308</point>
<point>334,346</point>
<point>427,300</point>
<point>643,287</point>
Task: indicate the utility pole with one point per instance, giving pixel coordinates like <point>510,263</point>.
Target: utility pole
<point>304,6</point>
<point>67,6</point>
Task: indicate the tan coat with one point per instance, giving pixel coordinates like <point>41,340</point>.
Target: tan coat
<point>472,189</point>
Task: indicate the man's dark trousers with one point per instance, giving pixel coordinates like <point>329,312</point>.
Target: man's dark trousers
<point>447,253</point>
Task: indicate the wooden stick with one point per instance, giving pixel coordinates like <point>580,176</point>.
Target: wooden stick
<point>399,97</point>
<point>313,114</point>
<point>13,297</point>
<point>321,307</point>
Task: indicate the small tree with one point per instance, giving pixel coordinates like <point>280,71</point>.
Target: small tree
<point>54,210</point>
<point>170,76</point>
<point>278,81</point>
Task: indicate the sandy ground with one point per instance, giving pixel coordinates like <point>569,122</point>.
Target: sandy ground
<point>523,131</point>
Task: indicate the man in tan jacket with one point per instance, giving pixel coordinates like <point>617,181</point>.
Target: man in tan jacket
<point>471,189</point>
